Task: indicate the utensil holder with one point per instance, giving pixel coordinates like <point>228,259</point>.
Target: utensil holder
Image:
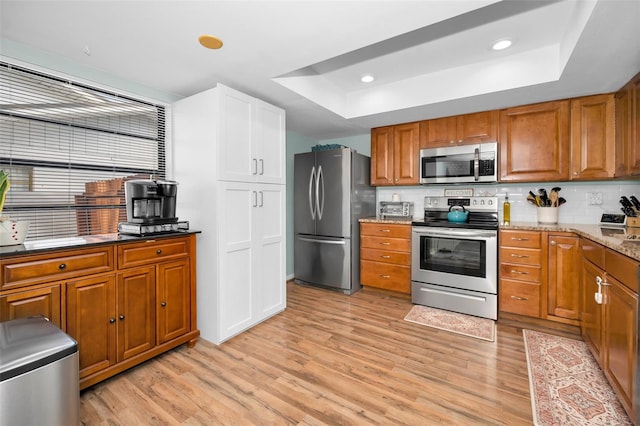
<point>548,215</point>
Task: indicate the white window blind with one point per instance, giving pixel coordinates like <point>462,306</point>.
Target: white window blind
<point>68,149</point>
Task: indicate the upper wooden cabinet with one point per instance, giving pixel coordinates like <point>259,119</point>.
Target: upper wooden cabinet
<point>592,137</point>
<point>461,129</point>
<point>534,142</point>
<point>627,129</point>
<point>394,155</point>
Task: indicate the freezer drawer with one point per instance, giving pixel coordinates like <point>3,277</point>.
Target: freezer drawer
<point>323,261</point>
<point>39,382</point>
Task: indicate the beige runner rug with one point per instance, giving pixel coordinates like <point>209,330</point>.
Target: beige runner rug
<point>567,385</point>
<point>480,328</point>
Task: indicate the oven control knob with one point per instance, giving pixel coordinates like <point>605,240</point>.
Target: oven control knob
<point>482,202</point>
<point>475,202</point>
<point>490,202</point>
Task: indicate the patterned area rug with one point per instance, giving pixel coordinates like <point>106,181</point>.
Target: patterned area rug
<point>480,328</point>
<point>567,385</point>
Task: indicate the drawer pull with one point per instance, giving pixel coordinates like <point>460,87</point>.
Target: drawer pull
<point>513,271</point>
<point>519,239</point>
<point>62,266</point>
<point>112,320</point>
<point>163,304</point>
<point>385,256</point>
<point>519,256</point>
<point>121,317</point>
<point>385,276</point>
<point>385,230</point>
<point>519,298</point>
<point>385,243</point>
<point>158,251</point>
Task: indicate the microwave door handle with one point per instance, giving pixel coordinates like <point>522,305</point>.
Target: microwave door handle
<point>476,165</point>
<point>312,208</point>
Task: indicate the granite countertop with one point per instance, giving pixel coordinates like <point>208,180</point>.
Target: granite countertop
<point>37,246</point>
<point>623,240</point>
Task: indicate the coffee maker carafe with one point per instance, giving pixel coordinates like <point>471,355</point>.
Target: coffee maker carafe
<point>151,202</point>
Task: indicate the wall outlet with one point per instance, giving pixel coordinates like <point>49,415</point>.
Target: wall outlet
<point>594,198</point>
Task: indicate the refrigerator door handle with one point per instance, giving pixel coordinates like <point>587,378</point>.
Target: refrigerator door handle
<point>311,240</point>
<point>319,201</point>
<point>312,208</point>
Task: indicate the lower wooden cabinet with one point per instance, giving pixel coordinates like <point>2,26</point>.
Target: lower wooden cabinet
<point>143,306</point>
<point>385,256</point>
<point>563,284</point>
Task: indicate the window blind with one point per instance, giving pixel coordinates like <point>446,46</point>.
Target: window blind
<point>68,149</point>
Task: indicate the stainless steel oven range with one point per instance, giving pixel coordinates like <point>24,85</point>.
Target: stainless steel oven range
<point>454,265</point>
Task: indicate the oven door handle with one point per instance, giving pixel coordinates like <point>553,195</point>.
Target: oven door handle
<point>450,232</point>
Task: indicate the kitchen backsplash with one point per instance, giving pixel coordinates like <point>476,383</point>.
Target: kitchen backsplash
<point>581,198</point>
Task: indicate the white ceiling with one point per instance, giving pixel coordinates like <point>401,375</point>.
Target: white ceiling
<point>430,58</point>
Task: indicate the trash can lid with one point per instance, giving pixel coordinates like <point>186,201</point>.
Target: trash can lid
<point>30,343</point>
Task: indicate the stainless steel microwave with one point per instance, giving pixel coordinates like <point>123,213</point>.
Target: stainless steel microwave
<point>477,163</point>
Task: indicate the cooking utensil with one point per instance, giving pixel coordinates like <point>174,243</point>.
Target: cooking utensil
<point>625,202</point>
<point>543,196</point>
<point>532,199</point>
<point>457,214</point>
<point>553,197</point>
<point>635,202</point>
<point>561,201</point>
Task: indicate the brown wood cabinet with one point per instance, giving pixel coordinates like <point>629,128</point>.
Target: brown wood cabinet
<point>609,316</point>
<point>522,272</point>
<point>563,285</point>
<point>627,129</point>
<point>461,129</point>
<point>124,302</point>
<point>385,256</point>
<point>394,155</point>
<point>534,142</point>
<point>592,137</point>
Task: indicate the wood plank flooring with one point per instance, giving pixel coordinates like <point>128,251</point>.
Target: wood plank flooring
<point>328,359</point>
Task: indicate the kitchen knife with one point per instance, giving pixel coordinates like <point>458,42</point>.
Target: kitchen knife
<point>625,202</point>
<point>628,211</point>
<point>635,202</point>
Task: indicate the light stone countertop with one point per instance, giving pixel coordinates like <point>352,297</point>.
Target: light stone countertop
<point>623,240</point>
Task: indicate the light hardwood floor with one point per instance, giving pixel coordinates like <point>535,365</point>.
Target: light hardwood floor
<point>328,359</point>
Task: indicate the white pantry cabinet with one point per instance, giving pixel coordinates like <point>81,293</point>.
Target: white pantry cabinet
<point>256,134</point>
<point>229,161</point>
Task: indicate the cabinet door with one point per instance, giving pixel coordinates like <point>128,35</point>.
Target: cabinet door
<point>173,299</point>
<point>477,127</point>
<point>236,158</point>
<point>405,154</point>
<point>91,320</point>
<point>591,314</point>
<point>621,328</point>
<point>534,142</point>
<point>136,294</point>
<point>269,274</point>
<point>564,273</point>
<point>634,142</point>
<point>592,137</point>
<point>623,120</point>
<point>270,143</point>
<point>440,132</point>
<point>42,301</point>
<point>238,203</point>
<point>382,156</point>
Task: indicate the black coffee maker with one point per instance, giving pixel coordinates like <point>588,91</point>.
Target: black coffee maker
<point>151,202</point>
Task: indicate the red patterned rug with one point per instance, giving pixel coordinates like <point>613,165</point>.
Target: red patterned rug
<point>480,328</point>
<point>567,385</point>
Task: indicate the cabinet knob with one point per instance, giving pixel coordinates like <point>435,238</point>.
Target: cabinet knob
<point>576,173</point>
<point>62,266</point>
<point>121,317</point>
<point>158,251</point>
<point>163,304</point>
<point>112,320</point>
<point>553,243</point>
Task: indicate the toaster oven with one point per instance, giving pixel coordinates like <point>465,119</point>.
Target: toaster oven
<point>396,210</point>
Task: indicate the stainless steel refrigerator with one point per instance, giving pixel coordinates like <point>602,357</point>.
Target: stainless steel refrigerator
<point>331,193</point>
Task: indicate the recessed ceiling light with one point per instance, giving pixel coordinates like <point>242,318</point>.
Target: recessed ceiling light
<point>210,42</point>
<point>367,79</point>
<point>501,44</point>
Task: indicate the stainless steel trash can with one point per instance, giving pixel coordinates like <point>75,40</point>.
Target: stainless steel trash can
<point>38,374</point>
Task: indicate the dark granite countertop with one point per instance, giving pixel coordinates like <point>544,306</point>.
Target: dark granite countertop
<point>38,246</point>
